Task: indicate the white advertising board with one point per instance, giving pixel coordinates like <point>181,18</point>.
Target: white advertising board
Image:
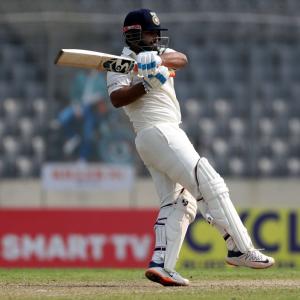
<point>87,176</point>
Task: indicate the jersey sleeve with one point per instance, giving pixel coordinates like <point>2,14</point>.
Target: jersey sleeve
<point>166,50</point>
<point>116,81</point>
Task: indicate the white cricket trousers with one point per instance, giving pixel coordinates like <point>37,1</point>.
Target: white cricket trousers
<point>170,158</point>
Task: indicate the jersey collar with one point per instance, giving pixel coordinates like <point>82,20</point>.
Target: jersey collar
<point>128,52</point>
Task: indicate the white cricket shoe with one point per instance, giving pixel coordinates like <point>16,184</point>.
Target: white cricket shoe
<point>162,276</point>
<point>252,259</point>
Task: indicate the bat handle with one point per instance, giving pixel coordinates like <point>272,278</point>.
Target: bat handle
<point>171,72</point>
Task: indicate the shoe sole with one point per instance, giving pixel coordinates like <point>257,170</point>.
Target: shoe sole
<point>165,281</point>
<point>262,267</point>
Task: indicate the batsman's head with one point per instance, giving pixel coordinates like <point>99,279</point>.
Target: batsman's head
<point>142,31</point>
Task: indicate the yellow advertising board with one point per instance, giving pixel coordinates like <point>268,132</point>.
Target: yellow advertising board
<point>276,231</point>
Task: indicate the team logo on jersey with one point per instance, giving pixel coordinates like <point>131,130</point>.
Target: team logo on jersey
<point>155,18</point>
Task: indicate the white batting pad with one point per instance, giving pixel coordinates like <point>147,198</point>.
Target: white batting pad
<point>184,212</point>
<point>223,213</point>
<point>203,208</point>
<point>171,227</point>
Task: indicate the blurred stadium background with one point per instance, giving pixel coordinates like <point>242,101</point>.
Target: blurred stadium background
<point>240,95</point>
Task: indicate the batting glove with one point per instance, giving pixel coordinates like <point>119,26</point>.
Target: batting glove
<point>156,80</point>
<point>147,63</point>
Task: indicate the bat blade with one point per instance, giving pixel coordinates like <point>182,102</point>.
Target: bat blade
<point>79,58</point>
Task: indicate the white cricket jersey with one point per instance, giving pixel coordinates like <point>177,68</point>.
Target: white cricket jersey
<point>158,106</point>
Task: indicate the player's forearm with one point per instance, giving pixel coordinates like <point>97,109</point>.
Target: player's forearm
<point>127,95</point>
<point>174,60</point>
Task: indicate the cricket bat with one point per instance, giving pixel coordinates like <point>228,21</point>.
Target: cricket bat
<point>79,58</point>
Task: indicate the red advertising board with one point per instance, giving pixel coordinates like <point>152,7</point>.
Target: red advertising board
<point>76,238</point>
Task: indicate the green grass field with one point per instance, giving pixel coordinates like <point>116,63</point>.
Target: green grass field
<point>229,283</point>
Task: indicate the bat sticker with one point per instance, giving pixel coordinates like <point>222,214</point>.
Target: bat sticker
<point>119,65</point>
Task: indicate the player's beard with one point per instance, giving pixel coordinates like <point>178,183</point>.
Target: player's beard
<point>147,47</point>
<point>157,45</point>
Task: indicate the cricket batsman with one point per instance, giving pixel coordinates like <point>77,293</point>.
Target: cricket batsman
<point>183,179</point>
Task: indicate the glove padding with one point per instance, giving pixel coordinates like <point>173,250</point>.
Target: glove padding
<point>147,62</point>
<point>156,80</point>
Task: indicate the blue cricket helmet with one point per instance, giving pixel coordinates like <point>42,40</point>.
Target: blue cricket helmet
<point>143,19</point>
<point>138,21</point>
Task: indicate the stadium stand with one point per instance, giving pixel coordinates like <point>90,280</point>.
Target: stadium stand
<point>240,94</point>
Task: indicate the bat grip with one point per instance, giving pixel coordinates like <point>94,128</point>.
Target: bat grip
<point>171,72</point>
